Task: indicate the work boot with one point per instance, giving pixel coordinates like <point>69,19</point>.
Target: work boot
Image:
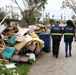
<point>70,55</point>
<point>56,56</point>
<point>66,56</point>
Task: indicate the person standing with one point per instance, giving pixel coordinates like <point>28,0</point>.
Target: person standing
<point>68,31</point>
<point>56,32</point>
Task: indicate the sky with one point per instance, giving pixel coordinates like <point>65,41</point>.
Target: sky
<point>53,7</point>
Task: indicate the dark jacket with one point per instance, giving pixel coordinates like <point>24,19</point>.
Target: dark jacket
<point>56,32</point>
<point>68,33</point>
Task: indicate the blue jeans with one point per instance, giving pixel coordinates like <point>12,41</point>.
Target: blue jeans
<point>68,44</point>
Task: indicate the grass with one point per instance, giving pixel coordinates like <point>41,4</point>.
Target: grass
<point>19,70</point>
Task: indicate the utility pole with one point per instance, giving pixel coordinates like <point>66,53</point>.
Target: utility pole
<point>47,18</point>
<point>43,13</point>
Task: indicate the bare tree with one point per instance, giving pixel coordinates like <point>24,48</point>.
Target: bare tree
<point>69,3</point>
<point>32,6</point>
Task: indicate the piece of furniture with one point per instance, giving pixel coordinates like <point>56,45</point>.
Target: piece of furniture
<point>2,47</point>
<point>8,52</point>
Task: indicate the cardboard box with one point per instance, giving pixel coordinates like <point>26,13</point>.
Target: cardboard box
<point>19,46</point>
<point>31,47</point>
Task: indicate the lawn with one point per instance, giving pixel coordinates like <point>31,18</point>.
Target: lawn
<point>18,70</point>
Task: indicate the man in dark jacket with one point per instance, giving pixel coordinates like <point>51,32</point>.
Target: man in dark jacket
<point>68,36</point>
<point>56,32</point>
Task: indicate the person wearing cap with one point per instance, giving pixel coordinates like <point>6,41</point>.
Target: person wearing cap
<point>68,37</point>
<point>56,33</point>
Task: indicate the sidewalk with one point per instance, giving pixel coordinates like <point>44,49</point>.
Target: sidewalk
<point>49,65</point>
